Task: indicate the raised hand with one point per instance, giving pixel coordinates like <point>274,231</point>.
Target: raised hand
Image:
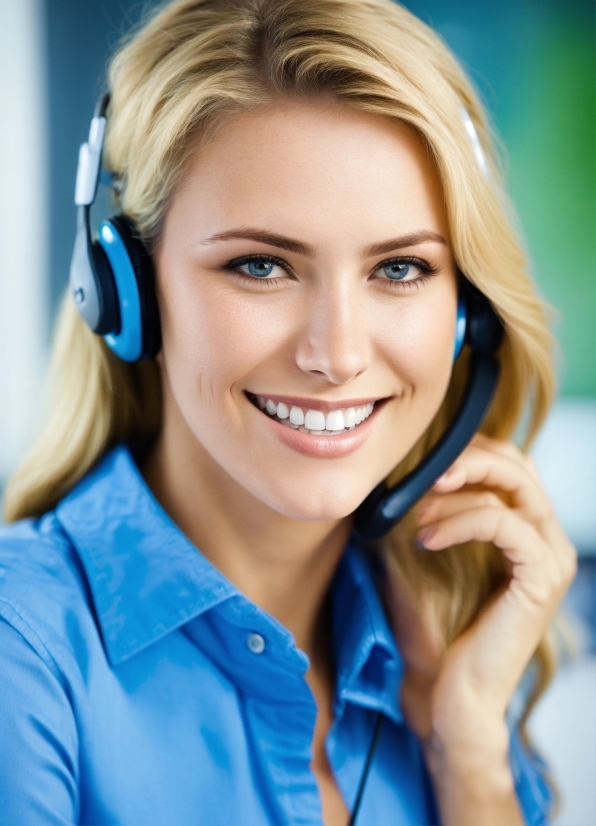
<point>455,699</point>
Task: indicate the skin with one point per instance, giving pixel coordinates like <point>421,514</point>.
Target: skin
<point>329,329</point>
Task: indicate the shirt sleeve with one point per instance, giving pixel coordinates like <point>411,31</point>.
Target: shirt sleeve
<point>38,735</point>
<point>529,774</point>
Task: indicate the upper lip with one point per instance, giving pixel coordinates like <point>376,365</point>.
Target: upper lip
<point>320,404</point>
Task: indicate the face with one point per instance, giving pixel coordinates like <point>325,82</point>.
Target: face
<point>307,292</point>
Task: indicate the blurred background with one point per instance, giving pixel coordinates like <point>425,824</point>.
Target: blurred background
<point>533,64</point>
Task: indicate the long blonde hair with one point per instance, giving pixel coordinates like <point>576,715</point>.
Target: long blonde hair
<point>195,63</point>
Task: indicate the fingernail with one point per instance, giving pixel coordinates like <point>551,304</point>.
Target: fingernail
<point>424,535</point>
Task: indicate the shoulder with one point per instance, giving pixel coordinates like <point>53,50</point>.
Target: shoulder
<point>42,601</point>
<point>43,590</point>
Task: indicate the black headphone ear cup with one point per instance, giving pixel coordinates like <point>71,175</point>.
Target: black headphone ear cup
<point>142,265</point>
<point>484,329</point>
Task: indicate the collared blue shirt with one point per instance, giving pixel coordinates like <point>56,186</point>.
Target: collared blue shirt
<point>138,686</point>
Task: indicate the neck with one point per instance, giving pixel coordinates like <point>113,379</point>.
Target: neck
<point>281,564</point>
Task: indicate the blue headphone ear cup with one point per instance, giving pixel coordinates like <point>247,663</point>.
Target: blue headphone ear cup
<point>142,264</point>
<point>139,335</point>
<point>461,323</point>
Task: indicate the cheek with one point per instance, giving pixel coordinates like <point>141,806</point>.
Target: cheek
<point>418,346</point>
<point>214,339</point>
<point>418,341</point>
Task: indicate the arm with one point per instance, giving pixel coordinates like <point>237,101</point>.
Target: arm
<point>456,699</point>
<point>476,787</point>
<point>38,737</point>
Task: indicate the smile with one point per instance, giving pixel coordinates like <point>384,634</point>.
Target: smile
<point>315,422</point>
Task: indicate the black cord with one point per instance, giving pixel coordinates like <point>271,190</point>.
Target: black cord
<point>366,769</point>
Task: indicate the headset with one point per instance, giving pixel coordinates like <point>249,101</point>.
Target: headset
<point>111,276</point>
<point>113,284</point>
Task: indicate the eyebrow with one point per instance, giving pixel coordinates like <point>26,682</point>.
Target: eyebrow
<point>264,237</point>
<point>292,245</point>
<point>409,240</point>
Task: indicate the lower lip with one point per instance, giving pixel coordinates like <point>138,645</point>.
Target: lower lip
<point>323,447</point>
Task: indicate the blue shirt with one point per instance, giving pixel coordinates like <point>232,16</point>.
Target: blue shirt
<point>139,686</point>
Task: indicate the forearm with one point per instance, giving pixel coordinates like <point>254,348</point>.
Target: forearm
<point>473,788</point>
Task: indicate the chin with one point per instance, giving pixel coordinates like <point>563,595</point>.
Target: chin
<point>322,504</point>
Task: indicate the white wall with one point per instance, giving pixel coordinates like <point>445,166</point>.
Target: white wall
<point>565,452</point>
<point>563,727</point>
<point>23,241</point>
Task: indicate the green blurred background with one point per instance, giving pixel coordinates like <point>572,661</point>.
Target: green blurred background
<point>548,126</point>
<point>534,65</point>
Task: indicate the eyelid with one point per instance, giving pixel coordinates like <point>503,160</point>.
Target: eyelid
<point>235,264</point>
<point>423,266</point>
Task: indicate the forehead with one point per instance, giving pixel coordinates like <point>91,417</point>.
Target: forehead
<point>296,164</point>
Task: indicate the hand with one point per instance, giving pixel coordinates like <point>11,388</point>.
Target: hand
<point>455,700</point>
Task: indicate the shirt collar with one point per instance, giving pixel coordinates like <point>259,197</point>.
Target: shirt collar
<point>147,579</point>
<point>368,664</point>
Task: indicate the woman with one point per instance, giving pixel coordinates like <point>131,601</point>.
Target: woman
<point>303,176</point>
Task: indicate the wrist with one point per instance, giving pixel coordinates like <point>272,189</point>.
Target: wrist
<point>475,790</point>
<point>474,755</point>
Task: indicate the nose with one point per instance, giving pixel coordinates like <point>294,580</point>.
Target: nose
<point>334,342</point>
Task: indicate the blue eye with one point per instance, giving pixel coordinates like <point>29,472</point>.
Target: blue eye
<point>396,270</point>
<point>260,267</point>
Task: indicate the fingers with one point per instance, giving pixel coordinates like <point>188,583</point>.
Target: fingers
<point>493,493</point>
<point>510,451</point>
<point>550,528</point>
<point>537,578</point>
<point>503,527</point>
<point>499,465</point>
<point>538,571</point>
<point>434,508</point>
<point>494,469</point>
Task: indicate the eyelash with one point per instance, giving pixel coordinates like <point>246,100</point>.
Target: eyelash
<point>426,269</point>
<point>234,267</point>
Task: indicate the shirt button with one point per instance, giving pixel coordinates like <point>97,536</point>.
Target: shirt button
<point>255,643</point>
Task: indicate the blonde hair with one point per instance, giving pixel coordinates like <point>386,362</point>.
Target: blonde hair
<point>195,63</point>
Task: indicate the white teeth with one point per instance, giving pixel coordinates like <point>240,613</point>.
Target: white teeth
<point>334,420</point>
<point>314,420</point>
<point>296,416</point>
